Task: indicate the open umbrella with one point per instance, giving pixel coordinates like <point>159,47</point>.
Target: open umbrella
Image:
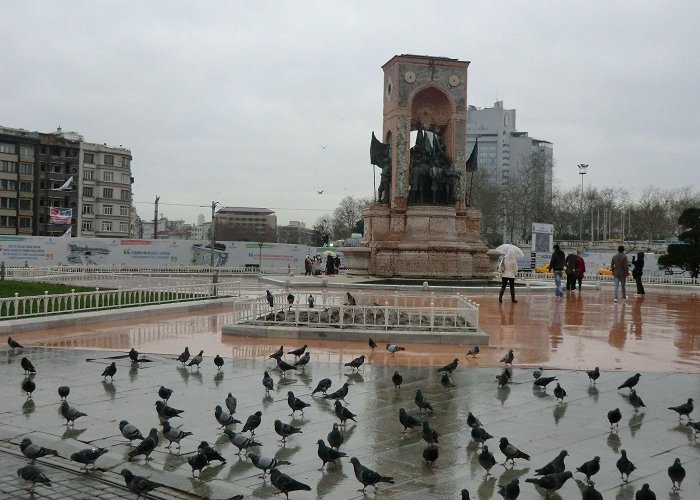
<point>508,249</point>
<point>330,253</point>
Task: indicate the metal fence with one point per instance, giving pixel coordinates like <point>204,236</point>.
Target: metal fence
<point>660,280</point>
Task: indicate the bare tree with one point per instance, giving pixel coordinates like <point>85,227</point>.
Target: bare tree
<point>347,214</point>
<point>323,228</point>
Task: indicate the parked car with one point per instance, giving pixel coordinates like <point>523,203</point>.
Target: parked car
<point>606,271</point>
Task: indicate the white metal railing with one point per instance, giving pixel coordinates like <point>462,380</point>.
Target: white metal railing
<point>659,279</point>
<point>409,312</point>
<point>44,305</point>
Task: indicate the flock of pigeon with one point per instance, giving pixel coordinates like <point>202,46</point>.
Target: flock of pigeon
<point>550,477</point>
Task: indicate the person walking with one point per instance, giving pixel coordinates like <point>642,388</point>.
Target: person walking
<point>509,267</point>
<point>308,263</point>
<point>618,265</point>
<point>556,264</point>
<point>637,271</point>
<point>571,272</point>
<point>580,269</point>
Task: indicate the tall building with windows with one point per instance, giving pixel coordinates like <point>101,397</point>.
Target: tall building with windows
<point>18,151</point>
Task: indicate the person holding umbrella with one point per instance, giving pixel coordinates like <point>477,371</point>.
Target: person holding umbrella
<point>508,268</point>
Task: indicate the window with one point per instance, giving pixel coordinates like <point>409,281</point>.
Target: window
<point>123,161</point>
<point>25,187</point>
<point>26,150</point>
<point>126,179</point>
<point>8,202</point>
<point>123,227</point>
<point>106,225</point>
<point>87,225</point>
<point>123,210</point>
<point>8,185</point>
<point>107,192</point>
<point>107,209</point>
<point>88,175</point>
<point>109,160</point>
<point>7,221</point>
<point>89,158</point>
<point>87,208</point>
<point>25,204</point>
<point>26,169</point>
<point>108,176</point>
<point>25,222</point>
<point>7,148</point>
<point>125,195</point>
<point>87,192</point>
<point>8,166</point>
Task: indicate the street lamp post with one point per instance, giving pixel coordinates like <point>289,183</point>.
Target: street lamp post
<point>260,245</point>
<point>212,242</point>
<point>582,167</point>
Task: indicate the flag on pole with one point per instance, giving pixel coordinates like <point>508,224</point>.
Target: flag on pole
<point>58,216</point>
<point>472,161</point>
<point>66,186</point>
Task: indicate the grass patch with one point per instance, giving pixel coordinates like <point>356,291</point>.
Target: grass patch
<point>8,288</point>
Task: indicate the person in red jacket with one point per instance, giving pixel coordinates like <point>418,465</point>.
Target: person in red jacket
<point>580,268</point>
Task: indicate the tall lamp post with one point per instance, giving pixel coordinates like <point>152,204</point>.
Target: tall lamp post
<point>212,242</point>
<point>582,167</point>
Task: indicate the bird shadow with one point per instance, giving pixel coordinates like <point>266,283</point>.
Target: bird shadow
<point>330,480</point>
<point>71,433</point>
<point>184,373</point>
<point>614,442</point>
<point>502,394</point>
<point>540,393</point>
<point>635,422</point>
<point>133,372</point>
<point>625,492</point>
<point>285,452</point>
<point>510,474</point>
<point>28,407</point>
<point>109,388</point>
<point>355,378</point>
<point>267,400</point>
<point>211,472</point>
<point>487,487</point>
<point>559,412</point>
<point>197,375</point>
<point>218,378</point>
<point>593,392</point>
<point>238,467</point>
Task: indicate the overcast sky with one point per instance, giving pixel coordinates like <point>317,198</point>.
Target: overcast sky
<point>263,103</point>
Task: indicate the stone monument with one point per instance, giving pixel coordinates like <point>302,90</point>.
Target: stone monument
<point>421,226</point>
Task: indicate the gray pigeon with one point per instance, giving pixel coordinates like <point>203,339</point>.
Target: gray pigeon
<point>304,360</point>
<point>224,419</point>
<point>27,366</point>
<point>286,484</point>
<point>555,466</point>
<point>676,473</point>
<point>593,375</point>
<point>166,412</point>
<point>210,452</point>
<point>164,393</point>
<point>198,461</point>
<point>70,413</point>
<point>174,434</point>
<point>284,366</point>
<point>252,423</point>
<point>636,401</point>
<point>110,371</point>
<point>339,394</point>
<point>625,466</point>
<point>510,451</point>
<point>431,454</point>
<point>449,368</point>
<point>296,404</point>
<point>550,482</point>
<point>32,474</point>
<point>445,382</point>
<point>277,354</point>
<point>480,435</point>
<point>397,379</point>
<point>268,383</point>
<point>421,402</point>
<point>356,363</point>
<point>590,493</point>
<point>343,413</point>
<point>465,494</point>
<point>146,446</point>
<point>219,362</point>
<point>182,358</point>
<point>33,451</point>
<point>367,476</point>
<point>683,410</point>
<point>231,403</point>
<point>351,299</point>
<point>590,468</point>
<point>134,355</point>
<point>285,430</point>
<point>264,463</point>
<point>335,437</point>
<point>393,348</point>
<point>138,484</point>
<point>28,386</point>
<point>322,386</point>
<point>537,373</point>
<point>486,460</point>
<point>298,352</point>
<point>543,381</point>
<point>510,491</point>
<point>408,421</point>
<point>630,382</point>
<point>328,454</point>
<point>695,426</point>
<point>88,456</point>
<point>614,417</point>
<point>196,360</point>
<point>473,351</point>
<point>14,345</point>
<point>63,392</point>
<point>428,434</point>
<point>559,393</point>
<point>473,421</point>
<point>130,431</point>
<point>240,441</point>
<point>508,358</point>
<point>645,493</point>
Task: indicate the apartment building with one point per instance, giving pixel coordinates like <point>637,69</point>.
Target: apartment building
<point>18,150</point>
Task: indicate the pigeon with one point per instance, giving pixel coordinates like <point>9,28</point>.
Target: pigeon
<point>510,491</point>
<point>555,466</point>
<point>28,386</point>
<point>511,452</point>
<point>351,299</point>
<point>70,413</point>
<point>393,349</point>
<point>695,426</point>
<point>32,474</point>
<point>465,494</point>
<point>286,484</point>
<point>164,393</point>
<point>503,379</point>
<point>449,368</point>
<point>240,441</point>
<point>14,345</point>
<point>219,362</point>
<point>285,430</point>
<point>356,363</point>
<point>590,493</point>
<point>614,417</point>
<point>630,382</point>
<point>537,373</point>
<point>88,456</point>
<point>27,366</point>
<point>174,434</point>
<point>636,401</point>
<point>252,423</point>
<point>138,484</point>
<point>683,410</point>
<point>210,452</point>
<point>323,385</point>
<point>421,402</point>
<point>480,435</point>
<point>593,374</point>
<point>290,300</point>
<point>508,358</point>
<point>284,366</point>
<point>343,413</point>
<point>625,466</point>
<point>397,379</point>
<point>473,421</point>
<point>63,392</point>
<point>311,301</point>
<point>430,454</point>
<point>327,454</point>
<point>543,381</point>
<point>304,360</point>
<point>182,358</point>
<point>407,421</point>
<point>268,383</point>
<point>559,393</point>
<point>296,404</point>
<point>277,354</point>
<point>645,493</point>
<point>428,434</point>
<point>134,355</point>
<point>146,446</point>
<point>335,437</point>
<point>33,451</point>
<point>196,360</point>
<point>473,351</point>
<point>676,473</point>
<point>445,382</point>
<point>166,412</point>
<point>270,298</point>
<point>110,371</point>
<point>231,403</point>
<point>298,352</point>
<point>550,482</point>
<point>130,431</point>
<point>339,394</point>
<point>486,460</point>
<point>590,468</point>
<point>372,344</point>
<point>265,463</point>
<point>367,476</point>
<point>225,419</point>
<point>198,461</point>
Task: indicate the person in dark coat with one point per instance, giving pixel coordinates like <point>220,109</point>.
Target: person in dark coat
<point>330,265</point>
<point>308,263</point>
<point>637,271</point>
<point>580,269</point>
<point>571,272</point>
<point>556,264</point>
